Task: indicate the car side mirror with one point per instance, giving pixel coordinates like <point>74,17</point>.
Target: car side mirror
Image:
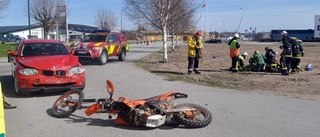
<point>11,54</point>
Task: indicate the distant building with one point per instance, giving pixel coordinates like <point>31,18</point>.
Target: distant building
<point>23,31</point>
<point>304,35</point>
<point>76,31</point>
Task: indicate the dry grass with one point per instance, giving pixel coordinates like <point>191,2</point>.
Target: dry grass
<point>214,71</point>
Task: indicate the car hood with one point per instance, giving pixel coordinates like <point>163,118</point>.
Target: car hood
<point>48,62</point>
<point>91,44</point>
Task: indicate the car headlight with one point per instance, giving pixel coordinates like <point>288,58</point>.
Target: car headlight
<point>78,46</point>
<point>28,71</point>
<point>76,70</point>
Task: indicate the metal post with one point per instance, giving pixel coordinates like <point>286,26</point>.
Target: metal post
<point>121,20</point>
<point>29,19</point>
<point>240,19</point>
<point>67,28</point>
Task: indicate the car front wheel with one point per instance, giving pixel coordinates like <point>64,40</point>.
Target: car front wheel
<point>122,55</point>
<point>103,58</point>
<point>16,87</point>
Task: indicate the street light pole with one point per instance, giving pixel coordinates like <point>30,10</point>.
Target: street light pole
<point>29,20</point>
<point>121,20</point>
<point>67,24</point>
<point>240,19</point>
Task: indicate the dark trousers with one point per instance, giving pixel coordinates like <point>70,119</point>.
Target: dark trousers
<point>295,63</point>
<point>234,66</point>
<point>285,64</point>
<point>193,62</point>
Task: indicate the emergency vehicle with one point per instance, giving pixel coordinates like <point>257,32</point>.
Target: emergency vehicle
<point>100,45</point>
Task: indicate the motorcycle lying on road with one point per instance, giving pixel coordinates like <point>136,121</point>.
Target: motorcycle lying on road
<point>150,112</point>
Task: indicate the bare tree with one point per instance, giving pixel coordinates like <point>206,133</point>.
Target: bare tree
<point>45,12</point>
<point>105,19</point>
<point>157,14</point>
<point>180,21</point>
<point>3,6</point>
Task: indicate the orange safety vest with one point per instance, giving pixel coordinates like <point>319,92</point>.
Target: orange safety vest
<point>234,51</point>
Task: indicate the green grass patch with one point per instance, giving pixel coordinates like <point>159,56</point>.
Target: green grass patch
<point>5,47</point>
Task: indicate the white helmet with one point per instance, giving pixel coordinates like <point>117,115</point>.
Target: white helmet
<point>299,40</point>
<point>284,33</point>
<point>244,54</point>
<point>236,35</point>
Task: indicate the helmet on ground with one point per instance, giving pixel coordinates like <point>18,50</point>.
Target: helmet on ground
<point>244,54</point>
<point>198,33</point>
<point>256,52</point>
<point>236,35</point>
<point>284,33</point>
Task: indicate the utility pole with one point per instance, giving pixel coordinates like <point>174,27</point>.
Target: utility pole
<point>240,19</point>
<point>121,20</point>
<point>29,36</point>
<point>67,25</point>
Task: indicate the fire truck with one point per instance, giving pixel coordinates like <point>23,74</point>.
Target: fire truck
<point>100,45</point>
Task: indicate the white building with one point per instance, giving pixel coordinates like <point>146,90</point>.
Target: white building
<point>75,31</point>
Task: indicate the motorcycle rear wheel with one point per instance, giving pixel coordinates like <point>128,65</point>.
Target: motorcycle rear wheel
<point>67,103</point>
<point>199,118</point>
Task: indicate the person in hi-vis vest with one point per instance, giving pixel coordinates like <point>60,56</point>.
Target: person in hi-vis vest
<point>194,53</point>
<point>234,52</point>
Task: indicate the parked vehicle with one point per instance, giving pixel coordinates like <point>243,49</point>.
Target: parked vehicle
<point>151,112</point>
<point>4,38</point>
<point>100,45</point>
<point>45,65</point>
<point>213,41</point>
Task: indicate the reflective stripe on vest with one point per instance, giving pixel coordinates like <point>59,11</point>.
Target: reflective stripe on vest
<point>234,52</point>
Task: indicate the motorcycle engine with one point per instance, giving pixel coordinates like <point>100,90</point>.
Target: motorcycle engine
<point>140,115</point>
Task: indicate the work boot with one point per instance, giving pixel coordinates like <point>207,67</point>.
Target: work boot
<point>197,72</point>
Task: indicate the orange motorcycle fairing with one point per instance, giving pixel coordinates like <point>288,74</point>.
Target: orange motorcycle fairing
<point>169,96</point>
<point>131,103</point>
<point>92,109</point>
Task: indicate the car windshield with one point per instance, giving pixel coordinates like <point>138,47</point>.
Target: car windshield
<point>95,38</point>
<point>43,49</point>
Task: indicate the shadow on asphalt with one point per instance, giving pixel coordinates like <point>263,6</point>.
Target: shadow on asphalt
<point>110,123</point>
<point>169,72</point>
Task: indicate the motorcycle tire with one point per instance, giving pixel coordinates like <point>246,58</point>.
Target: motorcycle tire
<point>61,109</point>
<point>193,122</point>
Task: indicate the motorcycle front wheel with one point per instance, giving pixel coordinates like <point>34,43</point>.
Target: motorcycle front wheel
<point>198,118</point>
<point>67,103</point>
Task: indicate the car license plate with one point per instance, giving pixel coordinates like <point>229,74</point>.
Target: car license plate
<point>81,52</point>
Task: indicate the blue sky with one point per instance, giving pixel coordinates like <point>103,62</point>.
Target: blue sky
<point>218,15</point>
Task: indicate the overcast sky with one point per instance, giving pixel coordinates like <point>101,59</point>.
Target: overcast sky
<point>218,15</point>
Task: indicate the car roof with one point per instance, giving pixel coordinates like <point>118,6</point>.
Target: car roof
<point>42,41</point>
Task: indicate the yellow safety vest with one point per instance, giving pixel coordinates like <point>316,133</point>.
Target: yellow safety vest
<point>2,123</point>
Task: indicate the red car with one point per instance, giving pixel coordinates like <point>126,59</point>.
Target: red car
<point>45,65</point>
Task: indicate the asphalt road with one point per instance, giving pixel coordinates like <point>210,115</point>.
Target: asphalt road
<point>235,114</point>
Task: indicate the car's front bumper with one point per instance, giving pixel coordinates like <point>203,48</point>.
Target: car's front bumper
<point>35,84</point>
<point>81,53</point>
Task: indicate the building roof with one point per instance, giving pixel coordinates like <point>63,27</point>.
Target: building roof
<point>74,27</point>
<point>82,28</point>
<point>9,29</point>
<point>294,31</point>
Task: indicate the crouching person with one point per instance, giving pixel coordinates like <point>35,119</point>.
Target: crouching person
<point>257,62</point>
<point>242,57</point>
